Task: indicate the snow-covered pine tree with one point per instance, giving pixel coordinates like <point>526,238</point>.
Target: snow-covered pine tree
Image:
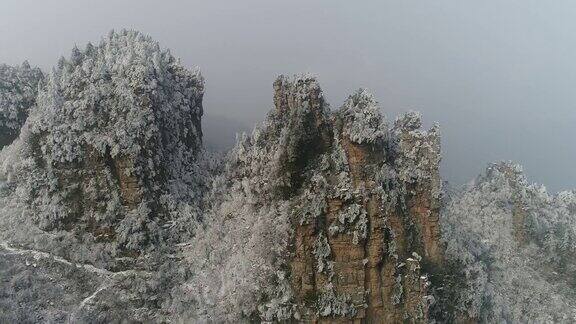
<point>18,90</point>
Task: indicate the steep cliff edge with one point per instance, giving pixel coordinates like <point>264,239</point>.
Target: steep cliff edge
<point>355,213</point>
<point>359,255</point>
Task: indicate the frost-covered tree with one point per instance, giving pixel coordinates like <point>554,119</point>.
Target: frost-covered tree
<point>365,124</point>
<point>18,89</point>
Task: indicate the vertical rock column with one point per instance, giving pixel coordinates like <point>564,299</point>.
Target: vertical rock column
<point>417,159</point>
<point>358,257</point>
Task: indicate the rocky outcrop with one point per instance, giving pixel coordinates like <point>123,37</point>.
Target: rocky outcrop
<point>515,180</point>
<point>360,257</point>
<point>113,143</point>
<point>361,200</point>
<point>18,91</point>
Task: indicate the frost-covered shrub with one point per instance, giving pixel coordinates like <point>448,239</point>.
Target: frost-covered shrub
<point>417,151</point>
<point>330,304</point>
<point>352,219</point>
<point>321,252</point>
<point>364,123</point>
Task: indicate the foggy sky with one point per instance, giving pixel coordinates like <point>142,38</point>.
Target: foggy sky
<point>499,76</point>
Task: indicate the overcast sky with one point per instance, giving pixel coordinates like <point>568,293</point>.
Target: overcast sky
<point>498,75</point>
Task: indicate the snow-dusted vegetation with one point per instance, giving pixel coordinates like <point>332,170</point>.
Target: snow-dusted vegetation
<point>109,169</point>
<point>113,143</point>
<point>18,91</point>
<point>112,210</point>
<point>517,248</point>
<point>238,261</point>
<point>279,181</point>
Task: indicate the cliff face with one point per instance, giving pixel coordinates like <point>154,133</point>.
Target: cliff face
<point>360,256</point>
<point>361,202</point>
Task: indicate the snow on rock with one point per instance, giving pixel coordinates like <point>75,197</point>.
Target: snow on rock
<point>304,211</point>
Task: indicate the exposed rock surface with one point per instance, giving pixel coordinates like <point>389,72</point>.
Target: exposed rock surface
<point>362,201</point>
<point>359,256</point>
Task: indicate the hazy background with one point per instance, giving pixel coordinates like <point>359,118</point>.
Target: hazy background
<point>498,75</point>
